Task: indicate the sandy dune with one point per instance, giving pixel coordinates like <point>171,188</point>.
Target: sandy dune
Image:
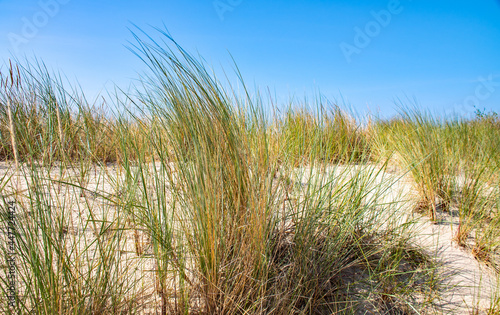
<point>468,285</point>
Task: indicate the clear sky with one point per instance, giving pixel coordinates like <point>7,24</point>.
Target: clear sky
<point>367,54</point>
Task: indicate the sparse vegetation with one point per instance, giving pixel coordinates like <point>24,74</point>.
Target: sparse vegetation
<point>454,166</point>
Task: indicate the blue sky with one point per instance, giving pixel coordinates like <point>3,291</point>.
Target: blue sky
<point>364,54</point>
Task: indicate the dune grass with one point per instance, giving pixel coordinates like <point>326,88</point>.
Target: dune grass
<point>330,136</point>
<point>454,166</point>
<point>50,122</point>
<point>254,238</point>
<point>186,199</point>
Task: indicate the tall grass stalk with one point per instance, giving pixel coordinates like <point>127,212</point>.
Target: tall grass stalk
<point>12,135</point>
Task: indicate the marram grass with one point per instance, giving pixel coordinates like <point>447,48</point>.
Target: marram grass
<point>186,200</point>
